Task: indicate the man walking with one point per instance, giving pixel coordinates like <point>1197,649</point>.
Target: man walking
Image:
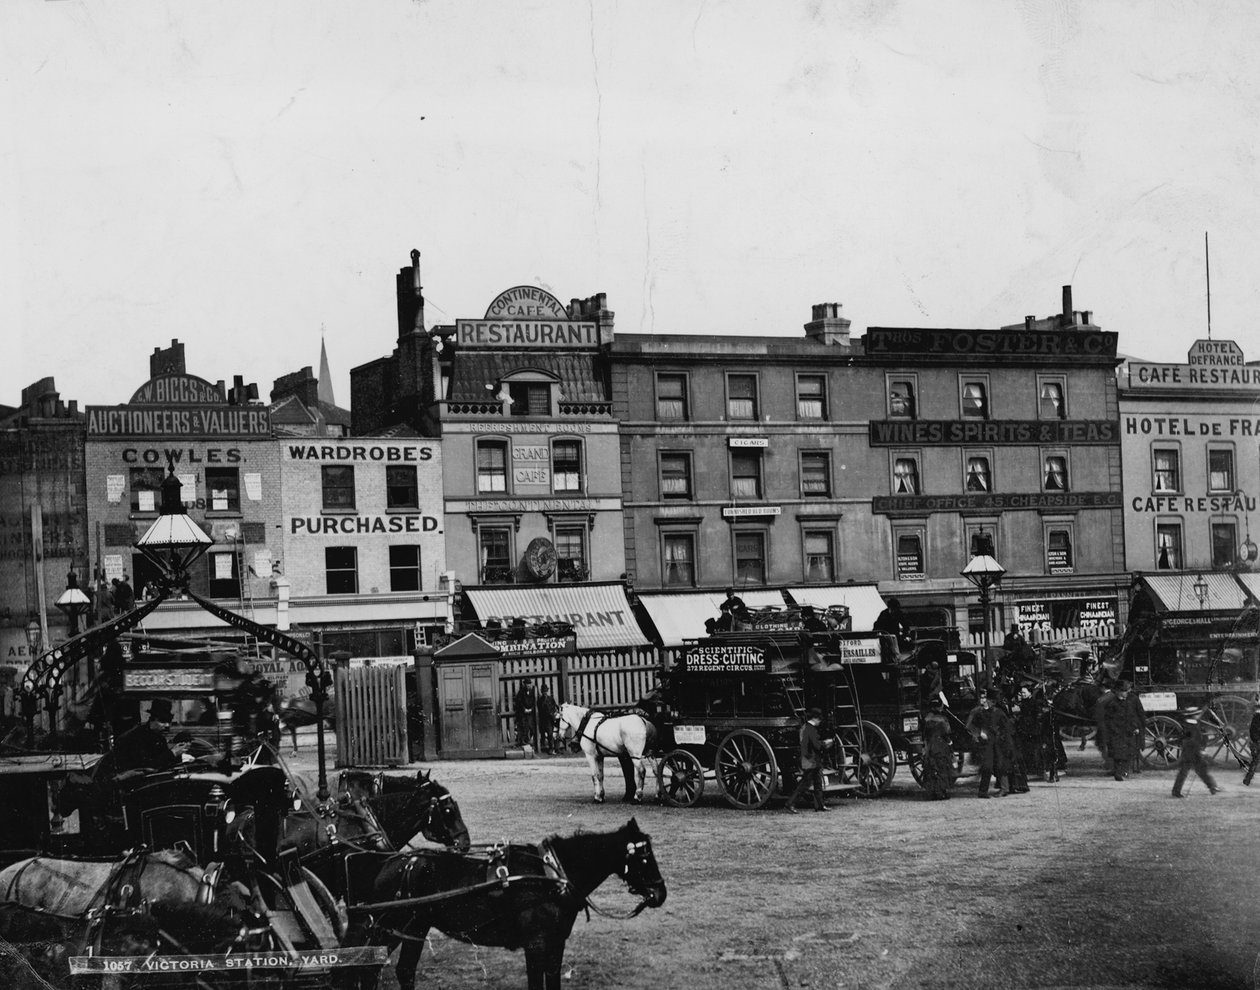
<point>1192,756</point>
<point>812,749</point>
<point>990,728</point>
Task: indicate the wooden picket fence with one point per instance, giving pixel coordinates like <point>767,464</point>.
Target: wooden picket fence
<point>1046,637</point>
<point>371,708</point>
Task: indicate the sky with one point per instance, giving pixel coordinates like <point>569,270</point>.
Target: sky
<point>247,176</point>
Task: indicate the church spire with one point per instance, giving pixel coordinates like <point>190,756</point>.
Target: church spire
<point>325,392</point>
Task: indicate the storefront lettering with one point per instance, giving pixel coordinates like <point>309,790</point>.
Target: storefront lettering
<point>885,504</point>
<point>176,455</point>
<point>890,433</point>
<point>121,421</point>
<point>1181,426</point>
<point>526,301</point>
<point>1201,503</point>
<point>525,333</point>
<point>582,620</point>
<point>315,525</point>
<point>364,452</point>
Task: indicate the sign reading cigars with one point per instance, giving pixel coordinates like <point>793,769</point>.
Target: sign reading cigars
<point>526,317</point>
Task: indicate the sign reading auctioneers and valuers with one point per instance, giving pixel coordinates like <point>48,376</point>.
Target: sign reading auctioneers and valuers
<point>526,317</point>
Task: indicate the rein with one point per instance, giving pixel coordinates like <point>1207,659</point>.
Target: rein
<point>580,731</point>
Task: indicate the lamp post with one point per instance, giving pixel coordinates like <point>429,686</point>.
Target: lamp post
<point>174,541</point>
<point>985,573</point>
<point>1201,590</point>
<point>74,603</point>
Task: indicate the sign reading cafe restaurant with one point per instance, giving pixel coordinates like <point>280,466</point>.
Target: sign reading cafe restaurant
<point>1211,364</point>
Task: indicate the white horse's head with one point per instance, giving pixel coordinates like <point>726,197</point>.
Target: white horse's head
<point>568,718</point>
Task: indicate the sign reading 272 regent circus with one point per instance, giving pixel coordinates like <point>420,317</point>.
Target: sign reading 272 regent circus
<point>526,316</point>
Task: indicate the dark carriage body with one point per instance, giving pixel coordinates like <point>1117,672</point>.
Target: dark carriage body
<point>736,700</point>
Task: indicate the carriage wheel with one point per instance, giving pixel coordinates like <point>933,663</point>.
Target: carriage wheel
<point>914,760</point>
<point>745,769</point>
<point>1235,714</point>
<point>680,779</point>
<point>1161,742</point>
<point>870,761</point>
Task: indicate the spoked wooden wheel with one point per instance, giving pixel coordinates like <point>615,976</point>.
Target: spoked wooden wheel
<point>745,768</point>
<point>1161,742</point>
<point>680,779</point>
<point>1235,714</point>
<point>870,761</point>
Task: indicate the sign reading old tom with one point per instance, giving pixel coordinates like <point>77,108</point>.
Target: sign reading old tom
<point>724,659</point>
<point>526,316</point>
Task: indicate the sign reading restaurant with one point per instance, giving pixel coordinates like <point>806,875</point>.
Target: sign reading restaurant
<point>526,316</point>
<point>1212,364</point>
<point>178,406</point>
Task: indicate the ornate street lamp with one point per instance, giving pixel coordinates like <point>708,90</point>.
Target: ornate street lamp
<point>33,637</point>
<point>985,573</point>
<point>174,541</point>
<point>74,603</point>
<point>1201,591</point>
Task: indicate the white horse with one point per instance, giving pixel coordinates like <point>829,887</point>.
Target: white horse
<point>602,735</point>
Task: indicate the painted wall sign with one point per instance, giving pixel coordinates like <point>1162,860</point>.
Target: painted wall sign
<point>1013,343</point>
<point>581,620</point>
<point>177,390</point>
<point>181,455</point>
<point>1193,503</point>
<point>540,644</point>
<point>185,421</point>
<point>921,433</point>
<point>749,441</point>
<point>380,452</point>
<point>1209,364</point>
<point>1187,426</point>
<point>739,511</point>
<point>526,302</point>
<point>1065,613</point>
<point>885,504</point>
<point>526,333</point>
<point>722,659</point>
<point>533,505</point>
<point>313,525</point>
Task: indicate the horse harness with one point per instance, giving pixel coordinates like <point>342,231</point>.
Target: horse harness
<point>591,712</point>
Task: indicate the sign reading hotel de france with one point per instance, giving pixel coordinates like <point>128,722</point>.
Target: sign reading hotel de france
<point>526,316</point>
<point>1211,364</point>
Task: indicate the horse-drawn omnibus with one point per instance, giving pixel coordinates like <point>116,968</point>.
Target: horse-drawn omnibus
<point>735,702</point>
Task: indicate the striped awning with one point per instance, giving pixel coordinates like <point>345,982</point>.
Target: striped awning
<point>680,617</point>
<point>863,601</point>
<point>599,613</point>
<point>1175,592</point>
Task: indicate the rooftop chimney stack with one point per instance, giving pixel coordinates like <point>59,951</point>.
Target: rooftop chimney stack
<point>828,326</point>
<point>1067,305</point>
<point>410,298</point>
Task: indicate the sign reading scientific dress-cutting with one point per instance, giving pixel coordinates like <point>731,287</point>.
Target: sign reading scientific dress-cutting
<point>724,659</point>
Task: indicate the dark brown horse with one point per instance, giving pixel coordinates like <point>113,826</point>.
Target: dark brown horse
<point>514,896</point>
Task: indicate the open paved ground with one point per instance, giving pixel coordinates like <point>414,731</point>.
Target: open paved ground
<point>1087,883</point>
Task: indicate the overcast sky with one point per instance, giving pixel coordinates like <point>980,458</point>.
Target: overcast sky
<point>239,174</point>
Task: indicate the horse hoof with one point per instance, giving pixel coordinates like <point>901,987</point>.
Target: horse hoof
<point>599,800</point>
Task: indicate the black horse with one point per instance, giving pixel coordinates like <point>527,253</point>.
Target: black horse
<point>513,896</point>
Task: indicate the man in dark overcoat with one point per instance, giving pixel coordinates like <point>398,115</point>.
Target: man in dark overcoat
<point>990,729</point>
<point>1192,756</point>
<point>812,748</point>
<point>144,747</point>
<point>1123,729</point>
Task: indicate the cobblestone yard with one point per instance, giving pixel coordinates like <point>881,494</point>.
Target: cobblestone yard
<point>1087,883</point>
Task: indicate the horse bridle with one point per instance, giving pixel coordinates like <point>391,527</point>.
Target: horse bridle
<point>638,852</point>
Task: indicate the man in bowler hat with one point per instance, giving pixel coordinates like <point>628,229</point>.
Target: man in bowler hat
<point>812,748</point>
<point>144,747</point>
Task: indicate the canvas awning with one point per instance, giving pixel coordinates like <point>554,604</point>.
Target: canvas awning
<point>680,617</point>
<point>1251,582</point>
<point>1175,592</point>
<point>599,613</point>
<point>863,601</point>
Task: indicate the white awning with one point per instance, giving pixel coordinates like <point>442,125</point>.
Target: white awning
<point>599,613</point>
<point>863,601</point>
<point>1175,592</point>
<point>679,617</point>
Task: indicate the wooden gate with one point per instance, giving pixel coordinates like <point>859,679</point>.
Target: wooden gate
<point>371,707</point>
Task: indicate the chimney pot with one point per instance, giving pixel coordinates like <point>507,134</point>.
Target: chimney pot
<point>1067,301</point>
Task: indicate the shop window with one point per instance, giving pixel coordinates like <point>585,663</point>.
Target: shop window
<point>901,399</point>
<point>741,397</point>
<point>1056,477</point>
<point>491,466</point>
<point>224,575</point>
<point>679,552</point>
<point>1168,546</point>
<point>1167,466</point>
<point>745,474</point>
<point>676,476</point>
<point>1224,544</point>
<point>978,477</point>
<point>1059,559</point>
<point>496,555</point>
<point>1220,471</point>
<point>404,568</point>
<point>975,400</point>
<point>820,556</point>
<point>671,396</point>
<point>571,554</point>
<point>815,474</point>
<point>750,558</point>
<point>910,562</point>
<point>811,397</point>
<point>401,491</point>
<point>338,482</point>
<point>223,490</point>
<point>1051,404</point>
<point>341,570</point>
<point>146,489</point>
<point>566,465</point>
<point>906,476</point>
<point>529,398</point>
